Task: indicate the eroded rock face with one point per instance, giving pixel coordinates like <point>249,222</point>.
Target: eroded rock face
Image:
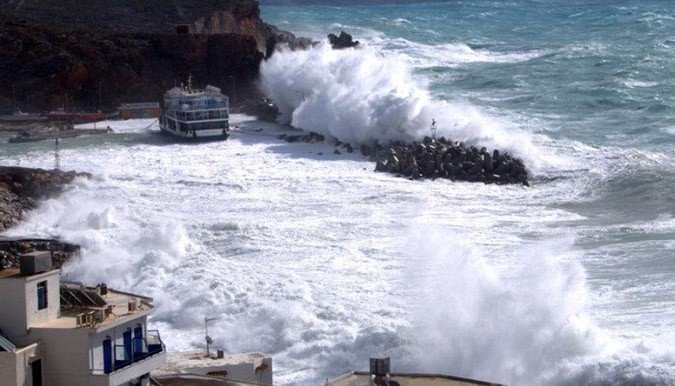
<point>21,190</point>
<point>81,69</point>
<point>100,54</point>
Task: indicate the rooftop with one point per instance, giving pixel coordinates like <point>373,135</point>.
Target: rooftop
<point>96,307</point>
<point>9,272</point>
<point>359,378</point>
<point>177,363</point>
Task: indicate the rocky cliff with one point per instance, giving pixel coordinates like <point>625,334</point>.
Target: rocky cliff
<point>21,189</point>
<point>97,54</point>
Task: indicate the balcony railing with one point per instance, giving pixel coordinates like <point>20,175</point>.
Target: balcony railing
<point>133,350</point>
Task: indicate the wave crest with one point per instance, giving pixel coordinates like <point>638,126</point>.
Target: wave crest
<point>365,97</point>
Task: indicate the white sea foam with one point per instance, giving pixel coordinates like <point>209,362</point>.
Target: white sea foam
<point>123,126</point>
<point>363,96</point>
<point>502,327</point>
<point>450,54</point>
<point>319,262</point>
<point>633,83</point>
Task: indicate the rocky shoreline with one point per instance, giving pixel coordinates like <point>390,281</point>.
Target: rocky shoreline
<point>21,190</point>
<point>12,249</point>
<point>435,158</point>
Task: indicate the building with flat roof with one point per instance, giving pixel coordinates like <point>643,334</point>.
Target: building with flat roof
<point>379,375</point>
<point>60,333</point>
<point>139,110</point>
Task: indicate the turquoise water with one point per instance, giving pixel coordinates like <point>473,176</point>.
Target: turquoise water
<point>589,84</point>
<point>598,72</point>
<point>311,257</point>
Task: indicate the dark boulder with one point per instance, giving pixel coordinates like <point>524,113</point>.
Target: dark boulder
<point>441,158</point>
<point>262,108</point>
<point>345,40</point>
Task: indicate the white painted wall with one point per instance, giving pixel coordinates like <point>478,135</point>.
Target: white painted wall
<point>13,306</point>
<point>244,372</point>
<point>33,315</point>
<point>18,302</point>
<point>15,367</point>
<point>74,357</point>
<point>9,375</point>
<point>65,355</point>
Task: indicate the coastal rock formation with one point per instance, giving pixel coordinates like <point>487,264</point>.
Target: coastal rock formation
<point>442,158</point>
<point>262,108</point>
<point>88,70</point>
<point>97,55</point>
<point>243,18</point>
<point>21,189</point>
<point>12,249</point>
<point>345,40</point>
<point>311,137</point>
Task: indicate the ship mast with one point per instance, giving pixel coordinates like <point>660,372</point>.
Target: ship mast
<point>57,159</point>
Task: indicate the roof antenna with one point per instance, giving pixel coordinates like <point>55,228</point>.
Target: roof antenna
<point>57,159</point>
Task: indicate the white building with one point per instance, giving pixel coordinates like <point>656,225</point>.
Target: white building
<point>65,334</point>
<point>379,375</point>
<point>243,369</point>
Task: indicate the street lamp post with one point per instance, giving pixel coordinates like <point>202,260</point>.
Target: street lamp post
<point>232,98</point>
<point>100,105</point>
<point>209,341</point>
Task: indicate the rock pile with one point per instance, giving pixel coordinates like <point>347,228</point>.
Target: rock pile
<point>262,108</point>
<point>11,250</point>
<point>435,158</point>
<point>311,137</point>
<point>22,188</point>
<point>345,40</point>
<point>442,158</point>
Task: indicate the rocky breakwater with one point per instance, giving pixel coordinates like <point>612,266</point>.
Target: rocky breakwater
<point>12,249</point>
<point>442,158</point>
<point>21,190</point>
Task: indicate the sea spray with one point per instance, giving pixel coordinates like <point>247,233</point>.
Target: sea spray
<point>363,96</point>
<point>508,327</point>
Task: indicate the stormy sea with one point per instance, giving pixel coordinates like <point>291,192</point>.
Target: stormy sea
<point>313,258</point>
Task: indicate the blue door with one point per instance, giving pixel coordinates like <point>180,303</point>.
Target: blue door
<point>107,356</point>
<point>127,344</point>
<point>138,341</point>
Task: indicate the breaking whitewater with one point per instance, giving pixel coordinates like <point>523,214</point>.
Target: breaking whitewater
<point>311,257</point>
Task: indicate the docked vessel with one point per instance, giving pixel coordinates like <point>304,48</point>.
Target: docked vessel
<point>195,114</point>
<point>46,133</point>
<point>19,117</point>
<point>60,114</point>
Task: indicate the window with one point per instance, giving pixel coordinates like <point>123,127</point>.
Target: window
<point>42,295</point>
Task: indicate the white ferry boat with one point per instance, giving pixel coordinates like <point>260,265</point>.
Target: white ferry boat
<point>195,114</point>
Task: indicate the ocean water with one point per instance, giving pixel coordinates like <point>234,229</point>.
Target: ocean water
<point>313,258</point>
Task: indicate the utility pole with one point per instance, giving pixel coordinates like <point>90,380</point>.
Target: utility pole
<point>57,160</point>
<point>232,99</point>
<point>209,341</point>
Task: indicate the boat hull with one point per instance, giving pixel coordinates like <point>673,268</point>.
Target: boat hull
<point>197,135</point>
